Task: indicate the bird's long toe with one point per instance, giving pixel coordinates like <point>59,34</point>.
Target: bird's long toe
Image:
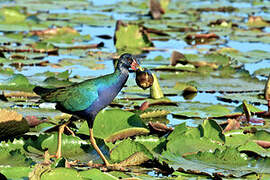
<point>108,167</point>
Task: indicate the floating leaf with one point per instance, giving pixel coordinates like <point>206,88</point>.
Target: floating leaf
<point>130,37</point>
<point>155,89</point>
<point>12,15</point>
<point>204,138</point>
<point>255,148</point>
<point>127,148</point>
<point>71,146</point>
<point>197,167</point>
<point>14,158</point>
<point>17,82</point>
<point>232,125</point>
<point>230,157</point>
<point>203,110</point>
<point>12,124</point>
<point>113,124</point>
<point>15,172</point>
<point>61,173</point>
<point>96,174</point>
<point>257,21</point>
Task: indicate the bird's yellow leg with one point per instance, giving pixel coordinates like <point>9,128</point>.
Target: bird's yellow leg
<point>94,144</point>
<point>59,143</point>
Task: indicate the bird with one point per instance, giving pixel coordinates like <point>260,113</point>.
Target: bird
<point>85,99</point>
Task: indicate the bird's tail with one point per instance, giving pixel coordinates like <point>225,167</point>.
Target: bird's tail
<point>41,90</point>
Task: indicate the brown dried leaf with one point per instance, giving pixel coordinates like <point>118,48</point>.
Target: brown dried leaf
<point>135,159</point>
<point>12,124</point>
<point>267,89</point>
<point>144,106</point>
<point>155,9</point>
<point>255,19</point>
<point>19,94</point>
<point>176,57</point>
<point>54,31</point>
<point>218,9</point>
<point>246,110</point>
<point>34,121</point>
<point>125,133</point>
<point>203,63</point>
<point>153,114</point>
<point>264,144</point>
<point>202,36</point>
<point>232,124</point>
<point>7,115</point>
<point>159,127</point>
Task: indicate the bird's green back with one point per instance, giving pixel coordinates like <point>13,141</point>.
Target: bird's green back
<point>80,96</point>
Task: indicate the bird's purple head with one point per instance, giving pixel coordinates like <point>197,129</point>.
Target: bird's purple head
<point>129,61</point>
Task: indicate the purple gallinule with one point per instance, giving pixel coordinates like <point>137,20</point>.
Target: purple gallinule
<point>85,99</point>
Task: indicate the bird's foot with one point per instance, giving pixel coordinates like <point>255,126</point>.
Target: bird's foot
<point>108,167</point>
<point>61,131</point>
<point>57,155</point>
<point>64,127</point>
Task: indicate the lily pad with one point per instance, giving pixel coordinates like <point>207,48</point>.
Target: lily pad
<point>123,150</point>
<point>114,124</point>
<point>203,138</point>
<point>246,142</point>
<point>96,174</point>
<point>17,82</point>
<point>60,173</point>
<point>131,38</point>
<point>14,158</point>
<point>203,110</point>
<point>71,146</point>
<point>229,156</point>
<point>16,172</point>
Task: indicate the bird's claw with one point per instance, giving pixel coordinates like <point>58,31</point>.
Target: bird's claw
<point>108,167</point>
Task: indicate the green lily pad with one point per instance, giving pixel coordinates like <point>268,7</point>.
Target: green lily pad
<point>53,82</point>
<point>255,148</point>
<point>131,38</point>
<point>207,137</point>
<point>221,80</point>
<point>152,143</point>
<point>254,35</point>
<point>71,146</point>
<point>123,150</point>
<point>262,72</point>
<point>65,35</point>
<point>114,124</point>
<point>61,173</point>
<point>245,142</point>
<point>178,162</point>
<point>247,57</point>
<point>17,82</point>
<point>178,67</point>
<point>239,97</point>
<point>230,157</point>
<point>96,174</point>
<point>216,58</point>
<point>12,15</point>
<point>14,158</point>
<point>91,63</point>
<point>203,110</point>
<point>16,172</point>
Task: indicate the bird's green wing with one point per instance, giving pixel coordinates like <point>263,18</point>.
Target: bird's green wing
<point>74,98</point>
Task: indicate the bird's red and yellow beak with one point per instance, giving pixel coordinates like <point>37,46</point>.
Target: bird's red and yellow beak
<point>135,65</point>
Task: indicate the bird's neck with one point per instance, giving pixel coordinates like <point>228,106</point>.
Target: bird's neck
<point>121,75</point>
<point>121,70</point>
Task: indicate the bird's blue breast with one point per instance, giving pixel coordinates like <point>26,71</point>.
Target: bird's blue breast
<point>106,94</point>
